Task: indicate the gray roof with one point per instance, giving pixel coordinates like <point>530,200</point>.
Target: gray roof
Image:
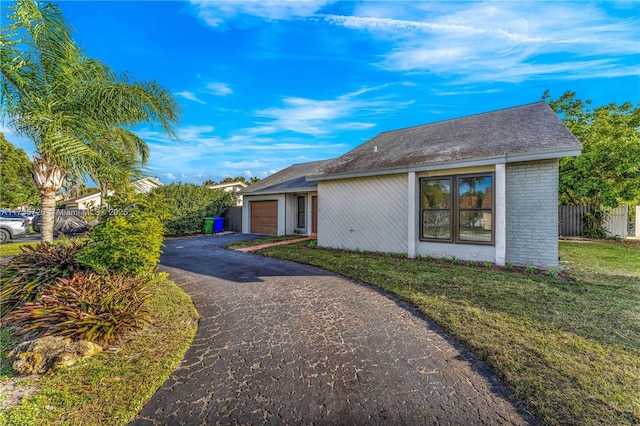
<point>291,179</point>
<point>520,133</point>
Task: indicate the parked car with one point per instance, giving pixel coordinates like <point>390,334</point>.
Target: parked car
<point>15,214</point>
<point>13,227</point>
<point>66,221</point>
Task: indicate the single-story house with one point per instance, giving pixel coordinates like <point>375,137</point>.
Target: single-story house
<point>92,200</point>
<point>146,184</point>
<point>234,187</point>
<point>283,203</point>
<point>482,188</point>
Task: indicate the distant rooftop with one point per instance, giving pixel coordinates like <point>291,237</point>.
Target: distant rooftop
<point>287,180</point>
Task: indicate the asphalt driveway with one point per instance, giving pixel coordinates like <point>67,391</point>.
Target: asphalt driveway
<point>283,343</point>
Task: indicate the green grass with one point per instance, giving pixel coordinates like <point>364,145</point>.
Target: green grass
<point>111,389</point>
<point>602,257</point>
<point>570,350</point>
<point>10,249</point>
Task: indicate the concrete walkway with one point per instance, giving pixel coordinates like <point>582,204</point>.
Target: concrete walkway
<point>283,343</point>
<point>278,243</point>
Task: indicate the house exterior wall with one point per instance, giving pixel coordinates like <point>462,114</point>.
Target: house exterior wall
<point>368,213</point>
<point>292,213</point>
<point>478,253</point>
<point>532,213</point>
<point>85,203</point>
<point>287,212</point>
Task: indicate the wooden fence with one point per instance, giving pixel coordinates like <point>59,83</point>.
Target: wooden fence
<point>618,223</point>
<point>233,219</point>
<point>570,220</point>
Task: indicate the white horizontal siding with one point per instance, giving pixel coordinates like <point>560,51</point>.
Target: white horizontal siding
<point>364,213</point>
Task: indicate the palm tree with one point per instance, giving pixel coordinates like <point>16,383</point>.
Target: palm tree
<point>75,109</point>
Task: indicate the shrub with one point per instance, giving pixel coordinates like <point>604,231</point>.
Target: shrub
<point>529,269</point>
<point>86,306</point>
<point>189,204</point>
<point>128,239</point>
<point>27,274</point>
<point>593,223</point>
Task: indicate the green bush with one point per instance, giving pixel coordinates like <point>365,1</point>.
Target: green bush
<point>128,238</point>
<point>189,204</point>
<point>86,306</point>
<point>593,223</point>
<point>27,274</point>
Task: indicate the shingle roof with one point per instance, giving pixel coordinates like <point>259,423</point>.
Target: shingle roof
<point>290,179</point>
<point>514,131</point>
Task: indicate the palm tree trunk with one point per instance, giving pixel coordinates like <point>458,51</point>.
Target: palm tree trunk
<point>47,214</point>
<point>48,178</point>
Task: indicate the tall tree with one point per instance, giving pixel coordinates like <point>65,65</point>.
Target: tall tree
<point>230,179</point>
<point>608,171</point>
<point>74,108</point>
<point>16,183</point>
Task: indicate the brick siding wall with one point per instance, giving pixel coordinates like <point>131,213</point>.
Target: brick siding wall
<point>532,213</point>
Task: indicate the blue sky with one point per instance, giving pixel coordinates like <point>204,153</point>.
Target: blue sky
<point>263,85</point>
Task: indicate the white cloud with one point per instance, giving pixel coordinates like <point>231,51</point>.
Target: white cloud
<point>219,89</point>
<point>170,176</point>
<point>323,116</point>
<point>194,132</point>
<point>499,41</point>
<point>215,13</point>
<point>190,96</point>
<point>355,126</point>
<point>248,174</point>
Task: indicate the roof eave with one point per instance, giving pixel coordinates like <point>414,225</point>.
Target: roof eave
<point>270,191</point>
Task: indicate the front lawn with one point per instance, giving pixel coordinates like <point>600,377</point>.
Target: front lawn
<point>570,350</point>
<point>13,248</point>
<point>109,389</point>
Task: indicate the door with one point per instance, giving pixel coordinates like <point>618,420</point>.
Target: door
<point>264,217</point>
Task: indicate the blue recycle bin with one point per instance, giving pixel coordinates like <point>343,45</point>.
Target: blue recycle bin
<point>218,222</point>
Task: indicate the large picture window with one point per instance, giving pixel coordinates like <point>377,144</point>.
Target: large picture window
<point>457,209</point>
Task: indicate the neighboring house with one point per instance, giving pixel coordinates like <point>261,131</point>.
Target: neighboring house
<point>283,203</point>
<point>482,188</point>
<point>146,184</point>
<point>94,198</point>
<point>234,187</point>
<point>88,201</point>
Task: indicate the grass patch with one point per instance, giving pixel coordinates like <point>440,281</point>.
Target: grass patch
<point>110,389</point>
<point>266,240</point>
<point>570,350</point>
<point>11,249</point>
<point>7,342</point>
<point>601,257</point>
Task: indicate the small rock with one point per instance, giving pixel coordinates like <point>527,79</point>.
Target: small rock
<point>48,353</point>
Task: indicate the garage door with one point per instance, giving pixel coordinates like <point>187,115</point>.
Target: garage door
<point>264,217</point>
